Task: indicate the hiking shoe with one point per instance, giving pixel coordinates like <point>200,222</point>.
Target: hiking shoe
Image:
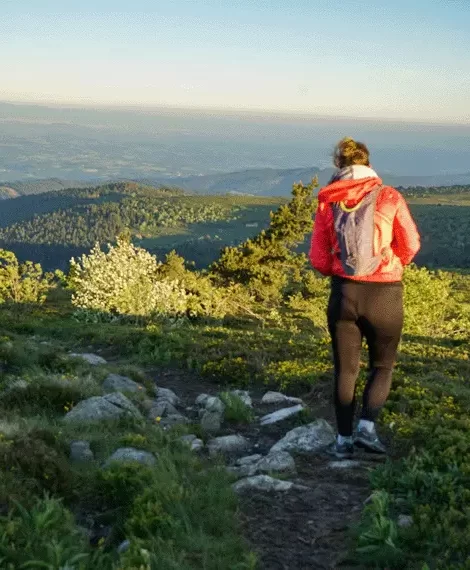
<point>369,441</point>
<point>341,450</point>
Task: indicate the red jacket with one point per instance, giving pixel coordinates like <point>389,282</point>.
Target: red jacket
<point>394,228</point>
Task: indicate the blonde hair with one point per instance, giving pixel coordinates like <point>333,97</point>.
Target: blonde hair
<point>348,152</point>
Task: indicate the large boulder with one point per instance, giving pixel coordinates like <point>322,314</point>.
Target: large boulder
<point>117,383</point>
<point>227,445</point>
<point>211,422</point>
<point>165,394</point>
<point>307,439</point>
<point>131,455</point>
<point>98,408</point>
<point>92,359</point>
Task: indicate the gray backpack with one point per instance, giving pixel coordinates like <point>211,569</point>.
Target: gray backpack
<point>354,229</point>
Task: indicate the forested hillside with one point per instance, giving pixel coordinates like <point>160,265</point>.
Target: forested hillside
<point>53,227</point>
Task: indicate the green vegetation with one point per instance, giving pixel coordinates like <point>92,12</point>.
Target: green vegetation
<point>180,514</point>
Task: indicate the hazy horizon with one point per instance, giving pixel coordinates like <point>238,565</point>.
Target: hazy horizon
<point>105,143</point>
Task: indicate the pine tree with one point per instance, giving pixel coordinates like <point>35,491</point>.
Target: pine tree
<point>267,264</point>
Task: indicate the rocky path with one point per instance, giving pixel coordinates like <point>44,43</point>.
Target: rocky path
<point>297,504</point>
<point>308,525</point>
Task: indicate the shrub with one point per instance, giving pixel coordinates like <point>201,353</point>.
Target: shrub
<point>22,282</point>
<point>46,537</point>
<point>235,409</point>
<point>38,457</point>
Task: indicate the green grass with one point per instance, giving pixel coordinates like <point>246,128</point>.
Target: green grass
<point>180,514</point>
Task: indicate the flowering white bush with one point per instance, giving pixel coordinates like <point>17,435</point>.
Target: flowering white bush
<point>124,280</point>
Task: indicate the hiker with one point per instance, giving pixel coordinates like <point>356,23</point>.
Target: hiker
<point>363,236</point>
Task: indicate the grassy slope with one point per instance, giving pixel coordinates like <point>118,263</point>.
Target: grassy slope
<point>426,415</point>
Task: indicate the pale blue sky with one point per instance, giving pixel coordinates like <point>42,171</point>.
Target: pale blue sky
<point>369,58</point>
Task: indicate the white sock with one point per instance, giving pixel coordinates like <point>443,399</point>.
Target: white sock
<point>367,425</point>
<point>344,439</point>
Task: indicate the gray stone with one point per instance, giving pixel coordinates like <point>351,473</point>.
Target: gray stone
<point>80,451</point>
<point>92,359</point>
<point>405,521</point>
<point>281,415</point>
<point>214,404</point>
<point>162,408</point>
<point>249,459</point>
<point>117,383</point>
<point>227,444</point>
<point>202,399</point>
<point>211,421</point>
<point>244,396</point>
<point>276,462</point>
<point>262,483</point>
<point>165,394</point>
<point>120,401</point>
<point>193,442</point>
<point>278,398</point>
<point>307,439</point>
<point>173,420</point>
<point>131,455</point>
<point>124,546</point>
<point>99,408</point>
<point>344,464</point>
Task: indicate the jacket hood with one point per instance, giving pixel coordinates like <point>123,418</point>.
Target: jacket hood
<point>350,184</point>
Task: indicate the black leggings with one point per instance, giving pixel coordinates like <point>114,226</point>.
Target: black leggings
<point>357,310</point>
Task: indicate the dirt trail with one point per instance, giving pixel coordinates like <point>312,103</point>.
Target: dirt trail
<point>297,530</point>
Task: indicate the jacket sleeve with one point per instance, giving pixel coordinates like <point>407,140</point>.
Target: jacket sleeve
<point>320,255</point>
<point>406,241</point>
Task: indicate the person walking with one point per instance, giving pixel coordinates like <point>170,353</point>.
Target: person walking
<point>363,237</point>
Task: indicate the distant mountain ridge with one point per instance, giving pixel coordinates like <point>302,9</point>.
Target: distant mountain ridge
<point>256,181</point>
<point>278,182</point>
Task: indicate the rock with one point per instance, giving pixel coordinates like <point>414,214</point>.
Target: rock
<point>147,405</point>
<point>80,451</point>
<point>211,421</point>
<point>92,359</point>
<point>173,420</point>
<point>116,383</point>
<point>227,444</point>
<point>100,408</point>
<point>278,462</point>
<point>119,400</point>
<point>262,483</point>
<point>165,394</point>
<point>194,442</point>
<point>244,396</point>
<point>344,464</point>
<point>202,399</point>
<point>281,415</point>
<point>249,459</point>
<point>405,521</point>
<point>124,546</point>
<point>278,398</point>
<point>214,404</point>
<point>131,455</point>
<point>307,439</point>
<point>162,408</point>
